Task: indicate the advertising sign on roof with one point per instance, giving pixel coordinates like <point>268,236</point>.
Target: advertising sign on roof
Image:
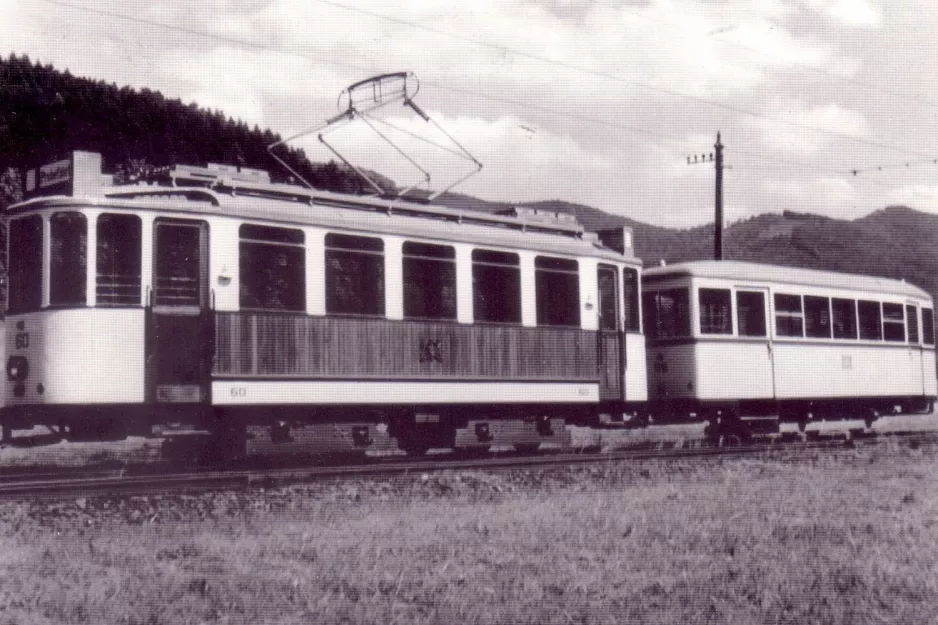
<point>50,179</point>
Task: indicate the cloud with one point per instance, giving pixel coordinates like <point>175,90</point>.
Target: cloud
<point>854,12</point>
<point>809,129</point>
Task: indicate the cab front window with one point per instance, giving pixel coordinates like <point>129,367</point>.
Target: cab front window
<point>68,259</point>
<point>25,253</point>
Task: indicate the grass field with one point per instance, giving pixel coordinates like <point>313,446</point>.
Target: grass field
<point>844,538</point>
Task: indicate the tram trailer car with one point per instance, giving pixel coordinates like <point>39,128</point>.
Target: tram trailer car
<point>211,298</point>
<point>746,345</point>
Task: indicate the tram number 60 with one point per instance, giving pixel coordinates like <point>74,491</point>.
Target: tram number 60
<point>238,391</point>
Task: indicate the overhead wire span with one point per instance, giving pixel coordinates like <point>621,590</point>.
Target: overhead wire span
<point>669,137</point>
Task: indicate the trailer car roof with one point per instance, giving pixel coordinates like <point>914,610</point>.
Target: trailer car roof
<point>738,271</point>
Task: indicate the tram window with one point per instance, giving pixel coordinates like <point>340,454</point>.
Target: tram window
<point>272,266</point>
<point>928,326</point>
<point>750,313</point>
<point>667,313</point>
<point>496,286</point>
<point>715,315</point>
<point>789,316</point>
<point>68,255</point>
<point>354,275</point>
<point>25,271</point>
<point>844,318</point>
<point>817,317</point>
<point>893,322</point>
<point>911,314</point>
<point>118,260</point>
<point>630,290</point>
<point>557,285</point>
<point>608,304</point>
<point>429,281</point>
<point>871,327</point>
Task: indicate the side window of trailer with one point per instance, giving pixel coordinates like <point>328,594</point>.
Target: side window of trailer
<point>272,266</point>
<point>119,260</point>
<point>630,291</point>
<point>429,281</point>
<point>928,326</point>
<point>496,286</point>
<point>68,257</point>
<point>354,275</point>
<point>557,286</point>
<point>25,270</point>
<point>911,315</point>
<point>715,313</point>
<point>789,316</point>
<point>871,325</point>
<point>844,315</point>
<point>893,322</point>
<point>667,313</point>
<point>750,313</point>
<point>817,317</point>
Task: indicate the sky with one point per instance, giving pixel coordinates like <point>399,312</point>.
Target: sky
<point>823,106</point>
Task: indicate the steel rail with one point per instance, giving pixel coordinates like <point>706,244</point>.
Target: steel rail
<point>125,483</point>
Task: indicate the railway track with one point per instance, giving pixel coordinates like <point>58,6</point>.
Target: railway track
<point>147,480</point>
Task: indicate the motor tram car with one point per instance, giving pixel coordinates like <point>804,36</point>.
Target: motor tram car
<point>745,346</point>
<point>213,300</point>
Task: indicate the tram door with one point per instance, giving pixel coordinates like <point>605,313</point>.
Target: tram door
<point>180,329</point>
<point>610,349</point>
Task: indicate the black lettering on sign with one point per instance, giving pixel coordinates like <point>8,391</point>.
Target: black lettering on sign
<point>21,340</point>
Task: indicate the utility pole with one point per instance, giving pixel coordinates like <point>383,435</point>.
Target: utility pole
<point>717,161</point>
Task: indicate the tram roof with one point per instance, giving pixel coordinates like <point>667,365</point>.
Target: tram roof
<point>229,191</point>
<point>754,273</point>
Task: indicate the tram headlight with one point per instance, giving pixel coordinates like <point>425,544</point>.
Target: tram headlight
<point>17,368</point>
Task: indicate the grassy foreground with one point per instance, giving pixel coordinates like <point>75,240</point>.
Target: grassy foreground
<point>849,538</point>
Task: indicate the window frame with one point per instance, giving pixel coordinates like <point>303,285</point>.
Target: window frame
<point>500,272</point>
<point>761,294</point>
<point>790,315</point>
<point>632,300</point>
<point>852,321</point>
<point>443,258</point>
<point>912,330</point>
<point>370,250</point>
<point>25,267</point>
<point>551,275</point>
<point>726,327</point>
<point>257,249</point>
<point>928,326</point>
<point>892,323</point>
<point>867,307</point>
<point>135,282</point>
<point>651,306</point>
<point>817,316</point>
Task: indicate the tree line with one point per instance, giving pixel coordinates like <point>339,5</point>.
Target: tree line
<point>46,113</point>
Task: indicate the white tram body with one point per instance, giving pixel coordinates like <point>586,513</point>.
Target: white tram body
<point>214,292</point>
<point>732,337</point>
